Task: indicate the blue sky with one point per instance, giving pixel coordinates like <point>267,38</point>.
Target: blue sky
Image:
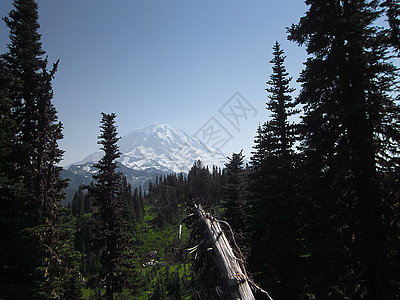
<point>177,62</point>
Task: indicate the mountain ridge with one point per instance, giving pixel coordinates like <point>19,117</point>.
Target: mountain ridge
<point>163,147</point>
<point>147,152</point>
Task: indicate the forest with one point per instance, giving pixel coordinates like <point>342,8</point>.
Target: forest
<point>315,214</point>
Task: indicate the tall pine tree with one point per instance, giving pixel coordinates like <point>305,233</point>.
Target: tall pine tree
<point>235,192</point>
<point>273,211</point>
<point>392,8</point>
<point>18,274</point>
<point>350,138</point>
<point>35,157</point>
<point>111,228</point>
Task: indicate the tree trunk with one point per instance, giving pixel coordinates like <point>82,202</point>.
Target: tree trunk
<point>223,257</point>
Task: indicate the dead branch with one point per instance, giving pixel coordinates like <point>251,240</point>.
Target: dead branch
<point>223,257</point>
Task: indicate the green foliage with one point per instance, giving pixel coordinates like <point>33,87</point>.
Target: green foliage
<point>274,211</point>
<point>350,137</point>
<point>32,188</point>
<point>17,277</point>
<point>110,226</point>
<point>199,181</point>
<point>179,288</point>
<point>78,205</point>
<point>392,10</point>
<point>160,292</point>
<point>235,192</point>
<point>203,186</point>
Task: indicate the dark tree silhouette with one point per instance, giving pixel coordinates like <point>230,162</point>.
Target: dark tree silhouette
<point>111,230</point>
<point>273,210</point>
<point>350,136</point>
<point>44,266</point>
<point>235,192</point>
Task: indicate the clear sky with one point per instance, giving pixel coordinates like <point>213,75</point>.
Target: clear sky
<point>177,62</point>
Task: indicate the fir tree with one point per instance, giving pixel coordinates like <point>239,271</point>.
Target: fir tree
<point>274,209</point>
<point>138,204</point>
<point>127,200</point>
<point>77,205</point>
<point>110,225</point>
<point>88,201</point>
<point>18,274</point>
<point>280,132</point>
<point>199,180</point>
<point>35,158</point>
<point>392,8</point>
<point>141,204</point>
<point>349,136</point>
<point>234,192</point>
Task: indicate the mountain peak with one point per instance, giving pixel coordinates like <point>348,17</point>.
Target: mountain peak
<point>165,148</point>
<point>148,152</point>
<point>155,125</point>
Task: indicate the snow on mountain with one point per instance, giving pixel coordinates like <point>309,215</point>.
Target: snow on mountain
<point>162,147</point>
<point>147,152</point>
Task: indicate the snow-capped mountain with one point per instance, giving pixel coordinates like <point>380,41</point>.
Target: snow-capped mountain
<point>147,152</point>
<point>162,147</point>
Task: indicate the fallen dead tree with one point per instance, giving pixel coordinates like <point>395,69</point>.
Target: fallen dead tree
<point>230,268</point>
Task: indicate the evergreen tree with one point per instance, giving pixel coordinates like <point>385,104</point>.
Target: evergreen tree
<point>234,192</point>
<point>350,135</point>
<point>273,211</point>
<point>138,204</point>
<point>110,225</point>
<point>127,200</point>
<point>88,201</point>
<point>392,8</point>
<point>141,204</point>
<point>35,158</point>
<point>199,180</point>
<point>69,259</point>
<point>77,205</point>
<point>280,132</point>
<point>18,274</point>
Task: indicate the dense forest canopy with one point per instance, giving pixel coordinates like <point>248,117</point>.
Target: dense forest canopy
<point>313,215</point>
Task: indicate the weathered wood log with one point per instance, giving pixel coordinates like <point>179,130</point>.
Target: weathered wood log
<point>223,257</point>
